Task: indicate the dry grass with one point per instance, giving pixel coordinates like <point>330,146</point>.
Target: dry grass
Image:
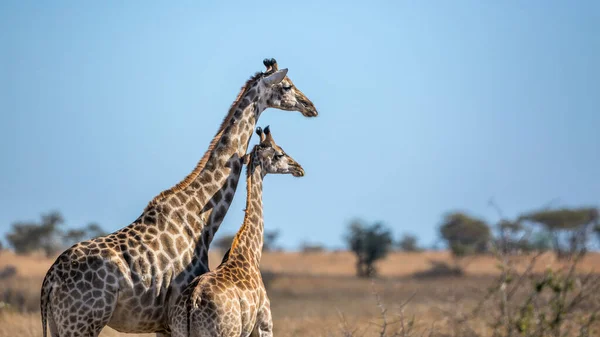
<point>317,294</point>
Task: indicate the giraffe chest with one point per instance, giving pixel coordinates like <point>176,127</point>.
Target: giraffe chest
<point>144,298</point>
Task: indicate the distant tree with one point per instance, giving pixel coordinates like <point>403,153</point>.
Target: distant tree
<point>224,242</point>
<point>75,235</point>
<point>48,235</point>
<point>369,243</point>
<point>72,236</point>
<point>408,243</point>
<point>512,237</point>
<point>465,234</point>
<point>93,230</point>
<point>27,237</point>
<point>570,228</point>
<point>270,239</point>
<point>540,241</point>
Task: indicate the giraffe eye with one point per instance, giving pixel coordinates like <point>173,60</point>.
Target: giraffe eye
<point>287,88</point>
<point>278,156</point>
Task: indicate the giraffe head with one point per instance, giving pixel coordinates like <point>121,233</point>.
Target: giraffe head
<point>271,157</point>
<point>282,94</point>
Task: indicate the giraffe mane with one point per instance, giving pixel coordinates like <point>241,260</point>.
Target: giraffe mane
<point>213,143</point>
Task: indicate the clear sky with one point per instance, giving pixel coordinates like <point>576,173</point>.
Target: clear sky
<point>425,107</point>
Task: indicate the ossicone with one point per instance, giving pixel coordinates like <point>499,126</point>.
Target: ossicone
<point>271,64</point>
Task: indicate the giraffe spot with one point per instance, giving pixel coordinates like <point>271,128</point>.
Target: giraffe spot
<point>180,244</point>
<point>127,258</point>
<point>97,283</point>
<point>247,101</point>
<point>76,294</point>
<point>235,143</point>
<point>217,197</point>
<point>163,261</point>
<point>182,197</point>
<point>135,277</point>
<point>110,279</point>
<point>99,303</point>
<point>244,139</point>
<point>188,231</point>
<point>191,206</point>
<point>228,197</point>
<point>220,214</point>
<point>75,274</point>
<point>167,244</point>
<point>174,202</point>
<point>237,167</point>
<point>138,289</point>
<point>205,178</point>
<point>206,237</point>
<point>233,128</point>
<point>190,219</point>
<point>154,245</point>
<point>150,220</point>
<point>146,299</point>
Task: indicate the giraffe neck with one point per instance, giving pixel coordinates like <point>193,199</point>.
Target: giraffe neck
<point>195,207</point>
<point>248,241</point>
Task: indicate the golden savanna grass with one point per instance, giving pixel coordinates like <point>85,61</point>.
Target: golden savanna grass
<point>317,294</point>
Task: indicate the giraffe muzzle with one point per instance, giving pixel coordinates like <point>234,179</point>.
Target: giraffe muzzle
<point>298,171</point>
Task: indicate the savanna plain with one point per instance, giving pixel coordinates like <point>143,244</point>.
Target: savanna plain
<point>414,294</point>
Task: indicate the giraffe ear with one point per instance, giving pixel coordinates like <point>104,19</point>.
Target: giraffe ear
<point>246,159</point>
<point>275,77</point>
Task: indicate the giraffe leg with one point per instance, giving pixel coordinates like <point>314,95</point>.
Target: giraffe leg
<point>264,321</point>
<point>82,313</point>
<point>52,326</point>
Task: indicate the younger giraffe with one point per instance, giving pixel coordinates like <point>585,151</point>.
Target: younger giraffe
<point>231,301</point>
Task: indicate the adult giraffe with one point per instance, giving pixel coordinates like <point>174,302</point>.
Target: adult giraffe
<point>128,279</point>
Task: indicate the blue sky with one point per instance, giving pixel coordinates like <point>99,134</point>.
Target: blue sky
<point>425,107</point>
